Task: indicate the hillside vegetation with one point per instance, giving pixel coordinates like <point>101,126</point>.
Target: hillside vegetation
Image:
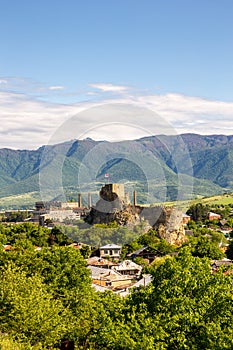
<point>159,168</point>
<point>47,296</point>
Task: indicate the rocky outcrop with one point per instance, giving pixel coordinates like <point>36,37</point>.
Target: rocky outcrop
<point>167,221</point>
<point>175,236</point>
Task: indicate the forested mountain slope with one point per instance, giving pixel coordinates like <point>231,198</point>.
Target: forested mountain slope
<point>160,165</point>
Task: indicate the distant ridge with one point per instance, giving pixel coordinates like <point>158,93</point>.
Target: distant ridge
<point>210,156</point>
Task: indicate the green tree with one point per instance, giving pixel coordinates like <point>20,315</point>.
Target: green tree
<point>191,308</point>
<point>57,237</point>
<point>28,310</point>
<point>229,251</point>
<point>191,224</point>
<point>63,269</point>
<point>203,246</point>
<point>85,251</point>
<point>198,212</point>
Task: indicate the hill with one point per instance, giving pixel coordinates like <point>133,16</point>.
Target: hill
<point>160,168</point>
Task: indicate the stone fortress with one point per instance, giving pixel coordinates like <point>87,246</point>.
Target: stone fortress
<point>114,205</point>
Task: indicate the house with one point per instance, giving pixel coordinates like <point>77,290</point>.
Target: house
<point>222,222</point>
<point>38,249</point>
<point>128,267</point>
<point>110,250</point>
<point>109,278</point>
<point>144,252</point>
<point>144,281</point>
<point>7,247</point>
<point>213,216</point>
<point>58,212</point>
<point>100,262</point>
<point>77,245</point>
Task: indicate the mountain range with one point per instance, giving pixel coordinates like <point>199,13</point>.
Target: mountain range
<point>159,168</point>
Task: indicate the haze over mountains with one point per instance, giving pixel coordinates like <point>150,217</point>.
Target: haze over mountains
<point>160,168</point>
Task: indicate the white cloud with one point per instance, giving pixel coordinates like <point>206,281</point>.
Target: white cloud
<point>192,114</point>
<point>109,87</point>
<point>27,122</point>
<point>55,88</point>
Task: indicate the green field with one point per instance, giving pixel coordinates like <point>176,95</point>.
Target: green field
<point>27,200</point>
<point>21,201</point>
<point>224,199</point>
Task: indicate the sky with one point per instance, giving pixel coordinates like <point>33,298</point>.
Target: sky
<point>61,58</point>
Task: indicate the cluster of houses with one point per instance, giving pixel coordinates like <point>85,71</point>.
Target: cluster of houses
<point>117,277</point>
<point>108,273</point>
<point>120,277</point>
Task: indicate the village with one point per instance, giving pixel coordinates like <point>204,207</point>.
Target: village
<point>109,269</point>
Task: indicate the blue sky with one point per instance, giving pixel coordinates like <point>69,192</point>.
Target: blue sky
<point>57,55</point>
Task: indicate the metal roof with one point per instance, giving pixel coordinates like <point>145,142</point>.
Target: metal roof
<point>110,246</point>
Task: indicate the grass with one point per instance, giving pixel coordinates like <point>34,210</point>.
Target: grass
<point>27,200</point>
<point>224,199</point>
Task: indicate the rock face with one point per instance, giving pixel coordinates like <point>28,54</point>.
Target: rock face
<point>172,230</point>
<point>113,206</point>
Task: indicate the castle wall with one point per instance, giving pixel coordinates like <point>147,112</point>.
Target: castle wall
<point>119,189</point>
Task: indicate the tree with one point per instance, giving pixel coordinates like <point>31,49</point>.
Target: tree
<point>85,251</point>
<point>229,251</point>
<point>191,308</point>
<point>28,310</point>
<point>37,235</point>
<point>63,269</point>
<point>191,225</point>
<point>45,289</point>
<point>198,212</point>
<point>57,237</point>
<point>202,247</point>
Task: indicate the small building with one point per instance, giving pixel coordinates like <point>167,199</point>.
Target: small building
<point>128,267</point>
<point>110,250</point>
<point>143,282</point>
<point>213,216</point>
<point>145,252</point>
<point>99,288</point>
<point>77,245</point>
<point>7,247</point>
<point>59,216</point>
<point>222,222</point>
<point>69,205</point>
<point>58,212</point>
<point>100,262</point>
<point>109,278</point>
